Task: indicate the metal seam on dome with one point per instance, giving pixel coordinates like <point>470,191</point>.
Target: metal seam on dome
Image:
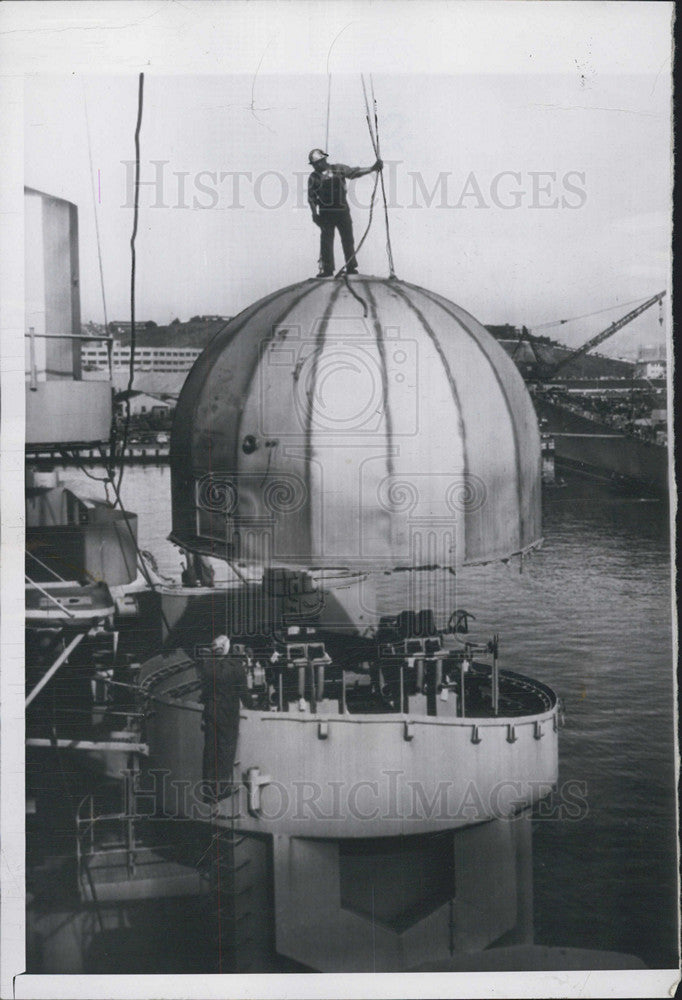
<point>202,369</point>
<point>515,436</point>
<point>440,301</point>
<point>241,316</point>
<point>319,344</point>
<point>281,318</point>
<point>381,347</point>
<point>246,316</point>
<point>197,372</point>
<point>395,287</point>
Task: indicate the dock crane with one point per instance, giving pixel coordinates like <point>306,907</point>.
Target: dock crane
<point>546,372</point>
<point>540,363</point>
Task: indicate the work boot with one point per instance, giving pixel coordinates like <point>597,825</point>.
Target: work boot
<point>352,270</point>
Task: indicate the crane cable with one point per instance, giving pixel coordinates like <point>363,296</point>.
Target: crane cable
<point>597,312</point>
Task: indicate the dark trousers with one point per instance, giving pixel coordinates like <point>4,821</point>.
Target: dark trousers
<point>223,686</point>
<point>331,219</point>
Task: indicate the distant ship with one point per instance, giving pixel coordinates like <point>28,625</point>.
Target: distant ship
<point>602,452</point>
<point>599,442</point>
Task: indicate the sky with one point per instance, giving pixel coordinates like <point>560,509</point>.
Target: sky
<point>525,196</point>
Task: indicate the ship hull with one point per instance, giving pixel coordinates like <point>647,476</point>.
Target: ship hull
<point>601,452</point>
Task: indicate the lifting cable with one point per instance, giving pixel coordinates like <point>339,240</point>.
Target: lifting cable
<point>374,136</point>
<point>374,139</point>
<point>389,251</point>
<point>342,269</point>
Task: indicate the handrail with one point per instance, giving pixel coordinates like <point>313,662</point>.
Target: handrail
<point>32,555</point>
<point>54,668</point>
<point>50,597</point>
<point>31,335</point>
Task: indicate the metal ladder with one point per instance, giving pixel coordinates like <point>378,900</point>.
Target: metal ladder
<point>230,892</point>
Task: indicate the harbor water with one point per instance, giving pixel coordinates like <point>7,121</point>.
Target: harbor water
<point>590,615</point>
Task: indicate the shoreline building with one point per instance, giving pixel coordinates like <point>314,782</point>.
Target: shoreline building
<point>95,357</point>
<point>651,362</point>
<point>143,404</point>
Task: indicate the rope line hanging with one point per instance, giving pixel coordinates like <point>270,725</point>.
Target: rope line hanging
<point>133,335</point>
<point>109,341</point>
<point>364,235</point>
<point>96,216</point>
<point>329,81</point>
<point>329,97</point>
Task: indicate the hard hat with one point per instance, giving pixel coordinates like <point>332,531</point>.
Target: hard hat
<point>221,645</point>
<point>316,154</point>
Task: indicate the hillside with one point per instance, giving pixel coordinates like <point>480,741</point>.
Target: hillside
<point>196,332</point>
<point>199,330</point>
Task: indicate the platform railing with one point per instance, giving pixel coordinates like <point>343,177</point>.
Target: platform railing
<point>89,824</point>
<point>31,336</point>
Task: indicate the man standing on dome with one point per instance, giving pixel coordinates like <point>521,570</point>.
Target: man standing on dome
<point>329,205</point>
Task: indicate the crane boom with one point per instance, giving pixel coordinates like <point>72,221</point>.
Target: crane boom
<point>603,335</point>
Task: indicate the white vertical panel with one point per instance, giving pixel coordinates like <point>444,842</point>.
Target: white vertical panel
<point>59,277</point>
<point>34,280</point>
